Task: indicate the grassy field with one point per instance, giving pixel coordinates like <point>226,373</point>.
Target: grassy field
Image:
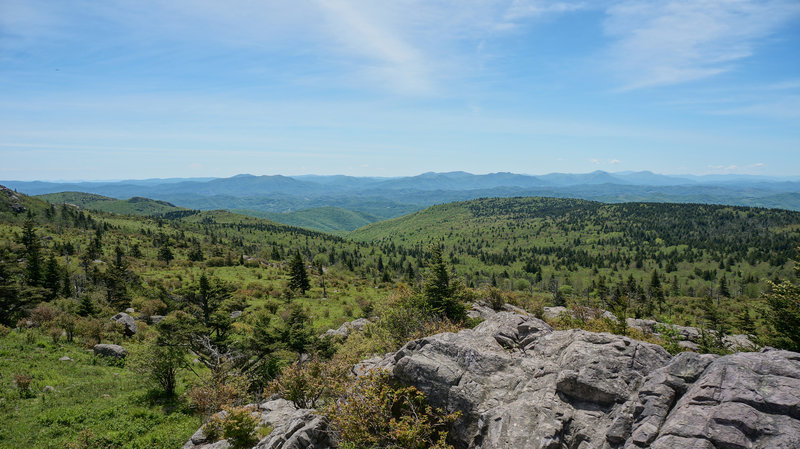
<point>84,403</point>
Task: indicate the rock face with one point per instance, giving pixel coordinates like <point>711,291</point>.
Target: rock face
<point>292,428</point>
<point>520,384</point>
<point>744,400</point>
<point>127,321</point>
<point>110,351</point>
<point>345,329</point>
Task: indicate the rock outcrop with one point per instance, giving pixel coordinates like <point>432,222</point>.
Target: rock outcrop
<point>345,329</point>
<point>292,428</point>
<point>688,337</point>
<point>520,384</point>
<point>110,351</point>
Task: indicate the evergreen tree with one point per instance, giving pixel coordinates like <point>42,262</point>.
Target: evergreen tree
<point>165,254</point>
<point>784,300</point>
<point>298,277</point>
<point>656,291</point>
<point>723,287</point>
<point>33,257</point>
<point>117,278</point>
<point>66,285</point>
<point>52,277</point>
<point>86,306</point>
<point>438,291</point>
<point>11,302</point>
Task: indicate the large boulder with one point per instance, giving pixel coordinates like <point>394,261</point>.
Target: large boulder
<point>127,321</point>
<point>519,384</point>
<point>107,350</point>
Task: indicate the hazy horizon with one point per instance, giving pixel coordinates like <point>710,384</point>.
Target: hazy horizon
<point>625,172</point>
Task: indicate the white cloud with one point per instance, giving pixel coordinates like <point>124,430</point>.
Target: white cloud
<point>659,42</point>
<point>614,161</point>
<point>594,161</point>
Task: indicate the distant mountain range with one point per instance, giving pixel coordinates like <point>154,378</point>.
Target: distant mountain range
<point>376,198</point>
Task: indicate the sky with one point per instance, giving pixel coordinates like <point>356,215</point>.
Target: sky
<point>120,89</point>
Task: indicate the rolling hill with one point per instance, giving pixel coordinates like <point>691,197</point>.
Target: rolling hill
<point>575,241</point>
<point>132,206</point>
<point>326,219</point>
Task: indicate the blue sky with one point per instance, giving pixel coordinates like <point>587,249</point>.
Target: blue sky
<point>119,89</point>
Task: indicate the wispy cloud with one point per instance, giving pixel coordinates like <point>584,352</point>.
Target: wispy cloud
<point>390,57</point>
<point>520,9</point>
<point>722,168</point>
<point>659,43</point>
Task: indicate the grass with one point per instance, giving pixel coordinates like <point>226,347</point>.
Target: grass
<point>93,404</point>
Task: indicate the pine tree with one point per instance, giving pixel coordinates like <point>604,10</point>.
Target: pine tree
<point>438,290</point>
<point>11,302</point>
<point>116,279</point>
<point>298,277</point>
<point>33,257</point>
<point>51,278</point>
<point>165,254</point>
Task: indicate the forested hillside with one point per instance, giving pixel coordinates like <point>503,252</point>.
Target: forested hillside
<point>223,309</point>
<point>582,249</point>
<point>230,286</point>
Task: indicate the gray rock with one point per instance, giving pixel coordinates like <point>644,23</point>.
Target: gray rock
<point>519,384</point>
<point>155,319</point>
<point>236,314</point>
<point>554,312</point>
<point>130,310</point>
<point>292,428</point>
<point>345,329</point>
<point>127,321</point>
<point>107,350</point>
<point>65,359</point>
<point>744,400</point>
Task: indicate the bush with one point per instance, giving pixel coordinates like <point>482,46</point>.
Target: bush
<point>374,414</point>
<point>235,424</point>
<point>159,364</point>
<point>214,394</point>
<point>309,384</point>
<point>43,315</point>
<point>23,384</point>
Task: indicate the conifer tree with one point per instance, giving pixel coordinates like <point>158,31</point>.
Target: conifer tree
<point>33,257</point>
<point>298,277</point>
<point>51,278</point>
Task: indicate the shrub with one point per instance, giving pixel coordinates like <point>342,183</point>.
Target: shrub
<point>91,330</point>
<point>309,384</point>
<point>374,414</point>
<point>23,384</point>
<point>215,394</point>
<point>55,333</point>
<point>159,364</point>
<point>235,424</point>
<point>43,315</point>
